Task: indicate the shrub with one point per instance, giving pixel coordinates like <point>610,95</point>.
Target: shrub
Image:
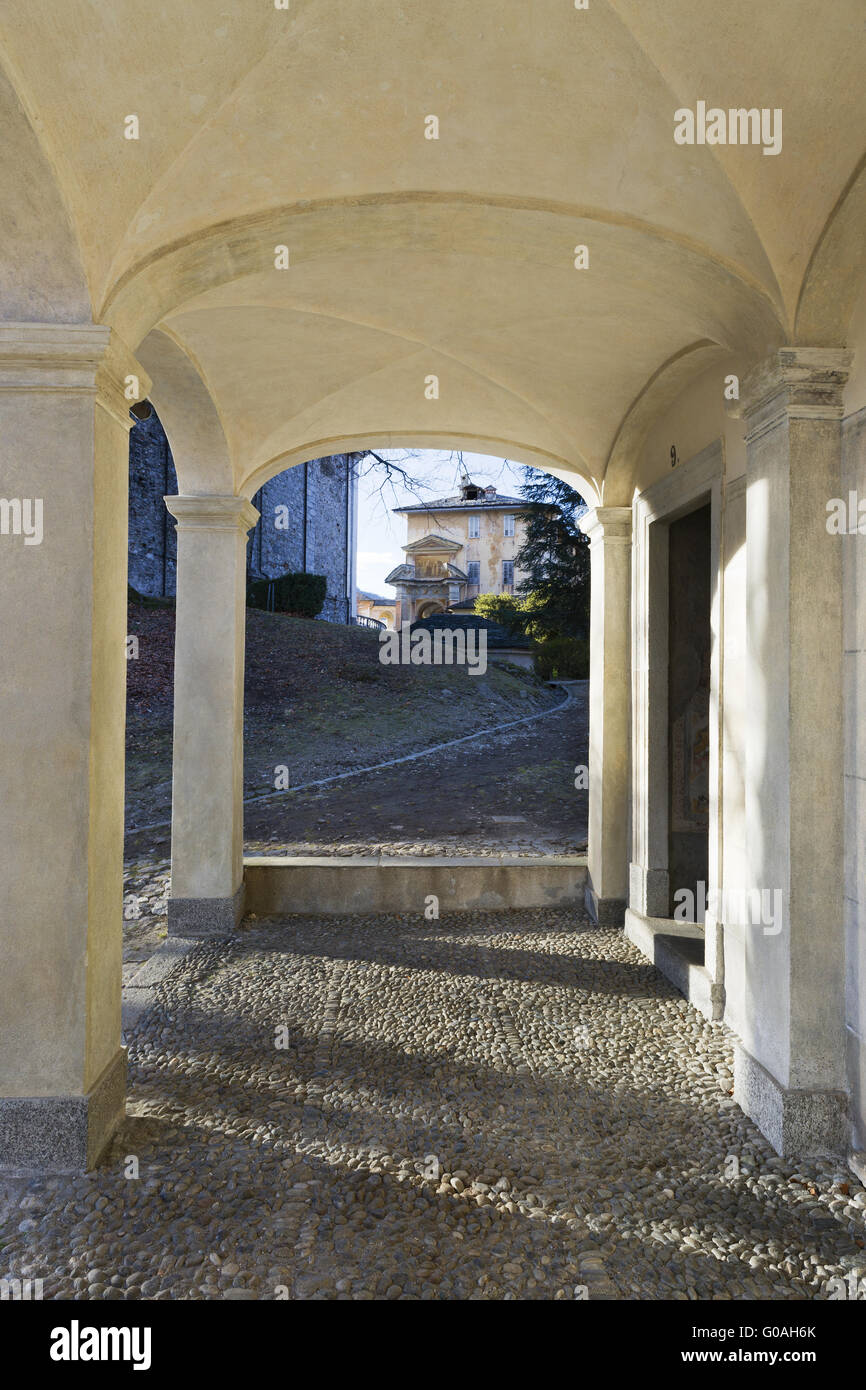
<point>562,658</point>
<point>504,609</point>
<point>299,593</point>
<point>147,601</point>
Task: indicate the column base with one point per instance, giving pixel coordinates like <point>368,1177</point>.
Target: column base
<point>203,917</point>
<point>604,912</point>
<point>649,891</point>
<point>798,1124</point>
<point>63,1133</point>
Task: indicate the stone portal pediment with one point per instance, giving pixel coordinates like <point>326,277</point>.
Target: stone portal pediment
<point>433,545</point>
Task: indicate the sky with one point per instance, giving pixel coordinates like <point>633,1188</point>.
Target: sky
<point>381,535</point>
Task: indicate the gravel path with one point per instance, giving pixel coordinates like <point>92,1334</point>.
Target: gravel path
<point>491,1106</point>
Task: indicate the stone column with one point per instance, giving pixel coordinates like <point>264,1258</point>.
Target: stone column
<point>609,531</point>
<point>790,1070</point>
<point>207,775</point>
<point>64,463</point>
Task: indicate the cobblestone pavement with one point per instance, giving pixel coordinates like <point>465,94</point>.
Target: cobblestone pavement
<point>490,1106</point>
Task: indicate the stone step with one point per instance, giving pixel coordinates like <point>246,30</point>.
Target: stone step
<point>677,950</point>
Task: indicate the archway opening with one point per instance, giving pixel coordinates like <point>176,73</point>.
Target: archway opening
<point>348,750</point>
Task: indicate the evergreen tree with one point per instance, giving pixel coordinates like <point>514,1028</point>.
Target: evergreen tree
<point>555,555</point>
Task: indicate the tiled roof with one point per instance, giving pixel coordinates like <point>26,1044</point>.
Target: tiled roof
<point>460,503</point>
<point>374,598</point>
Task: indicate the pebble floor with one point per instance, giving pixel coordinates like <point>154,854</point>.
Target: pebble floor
<point>489,1106</point>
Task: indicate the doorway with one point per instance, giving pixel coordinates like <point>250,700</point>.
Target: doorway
<point>688,714</point>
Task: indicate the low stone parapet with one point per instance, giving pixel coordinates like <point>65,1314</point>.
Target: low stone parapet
<point>381,883</point>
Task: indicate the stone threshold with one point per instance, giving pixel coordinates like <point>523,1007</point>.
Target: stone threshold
<point>677,950</point>
<point>341,885</point>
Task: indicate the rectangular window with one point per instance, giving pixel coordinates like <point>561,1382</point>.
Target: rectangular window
<point>509,525</point>
<point>474,527</point>
<point>473,569</point>
<point>507,573</point>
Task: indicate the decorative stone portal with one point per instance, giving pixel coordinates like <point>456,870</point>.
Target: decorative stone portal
<point>677,627</point>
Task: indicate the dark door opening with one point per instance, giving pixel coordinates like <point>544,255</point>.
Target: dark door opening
<point>689,646</point>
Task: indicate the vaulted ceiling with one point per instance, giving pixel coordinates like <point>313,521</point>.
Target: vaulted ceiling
<point>411,257</point>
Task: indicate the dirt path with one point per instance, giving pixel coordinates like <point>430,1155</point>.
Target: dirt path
<point>512,790</point>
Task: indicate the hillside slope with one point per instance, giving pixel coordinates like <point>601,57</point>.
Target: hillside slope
<point>317,700</point>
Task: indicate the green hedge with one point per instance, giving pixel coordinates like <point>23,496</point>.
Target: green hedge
<point>303,594</point>
<point>562,658</point>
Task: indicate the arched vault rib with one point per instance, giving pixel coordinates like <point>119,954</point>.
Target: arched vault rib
<point>42,276</point>
<point>617,7</point>
<point>836,270</point>
<point>229,250</point>
<point>659,393</point>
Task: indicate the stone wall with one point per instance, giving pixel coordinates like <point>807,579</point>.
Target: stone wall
<point>152,538</point>
<point>308,521</point>
<point>307,524</point>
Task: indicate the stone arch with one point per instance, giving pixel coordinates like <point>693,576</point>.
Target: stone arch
<point>496,448</point>
<point>364,350</point>
<point>189,416</point>
<point>659,393</point>
<point>485,227</point>
<point>429,607</point>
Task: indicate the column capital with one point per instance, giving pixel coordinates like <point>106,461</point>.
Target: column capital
<point>71,357</point>
<point>802,383</point>
<point>203,512</point>
<point>606,524</point>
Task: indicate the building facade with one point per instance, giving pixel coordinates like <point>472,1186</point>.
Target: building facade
<point>457,548</point>
<point>376,608</point>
